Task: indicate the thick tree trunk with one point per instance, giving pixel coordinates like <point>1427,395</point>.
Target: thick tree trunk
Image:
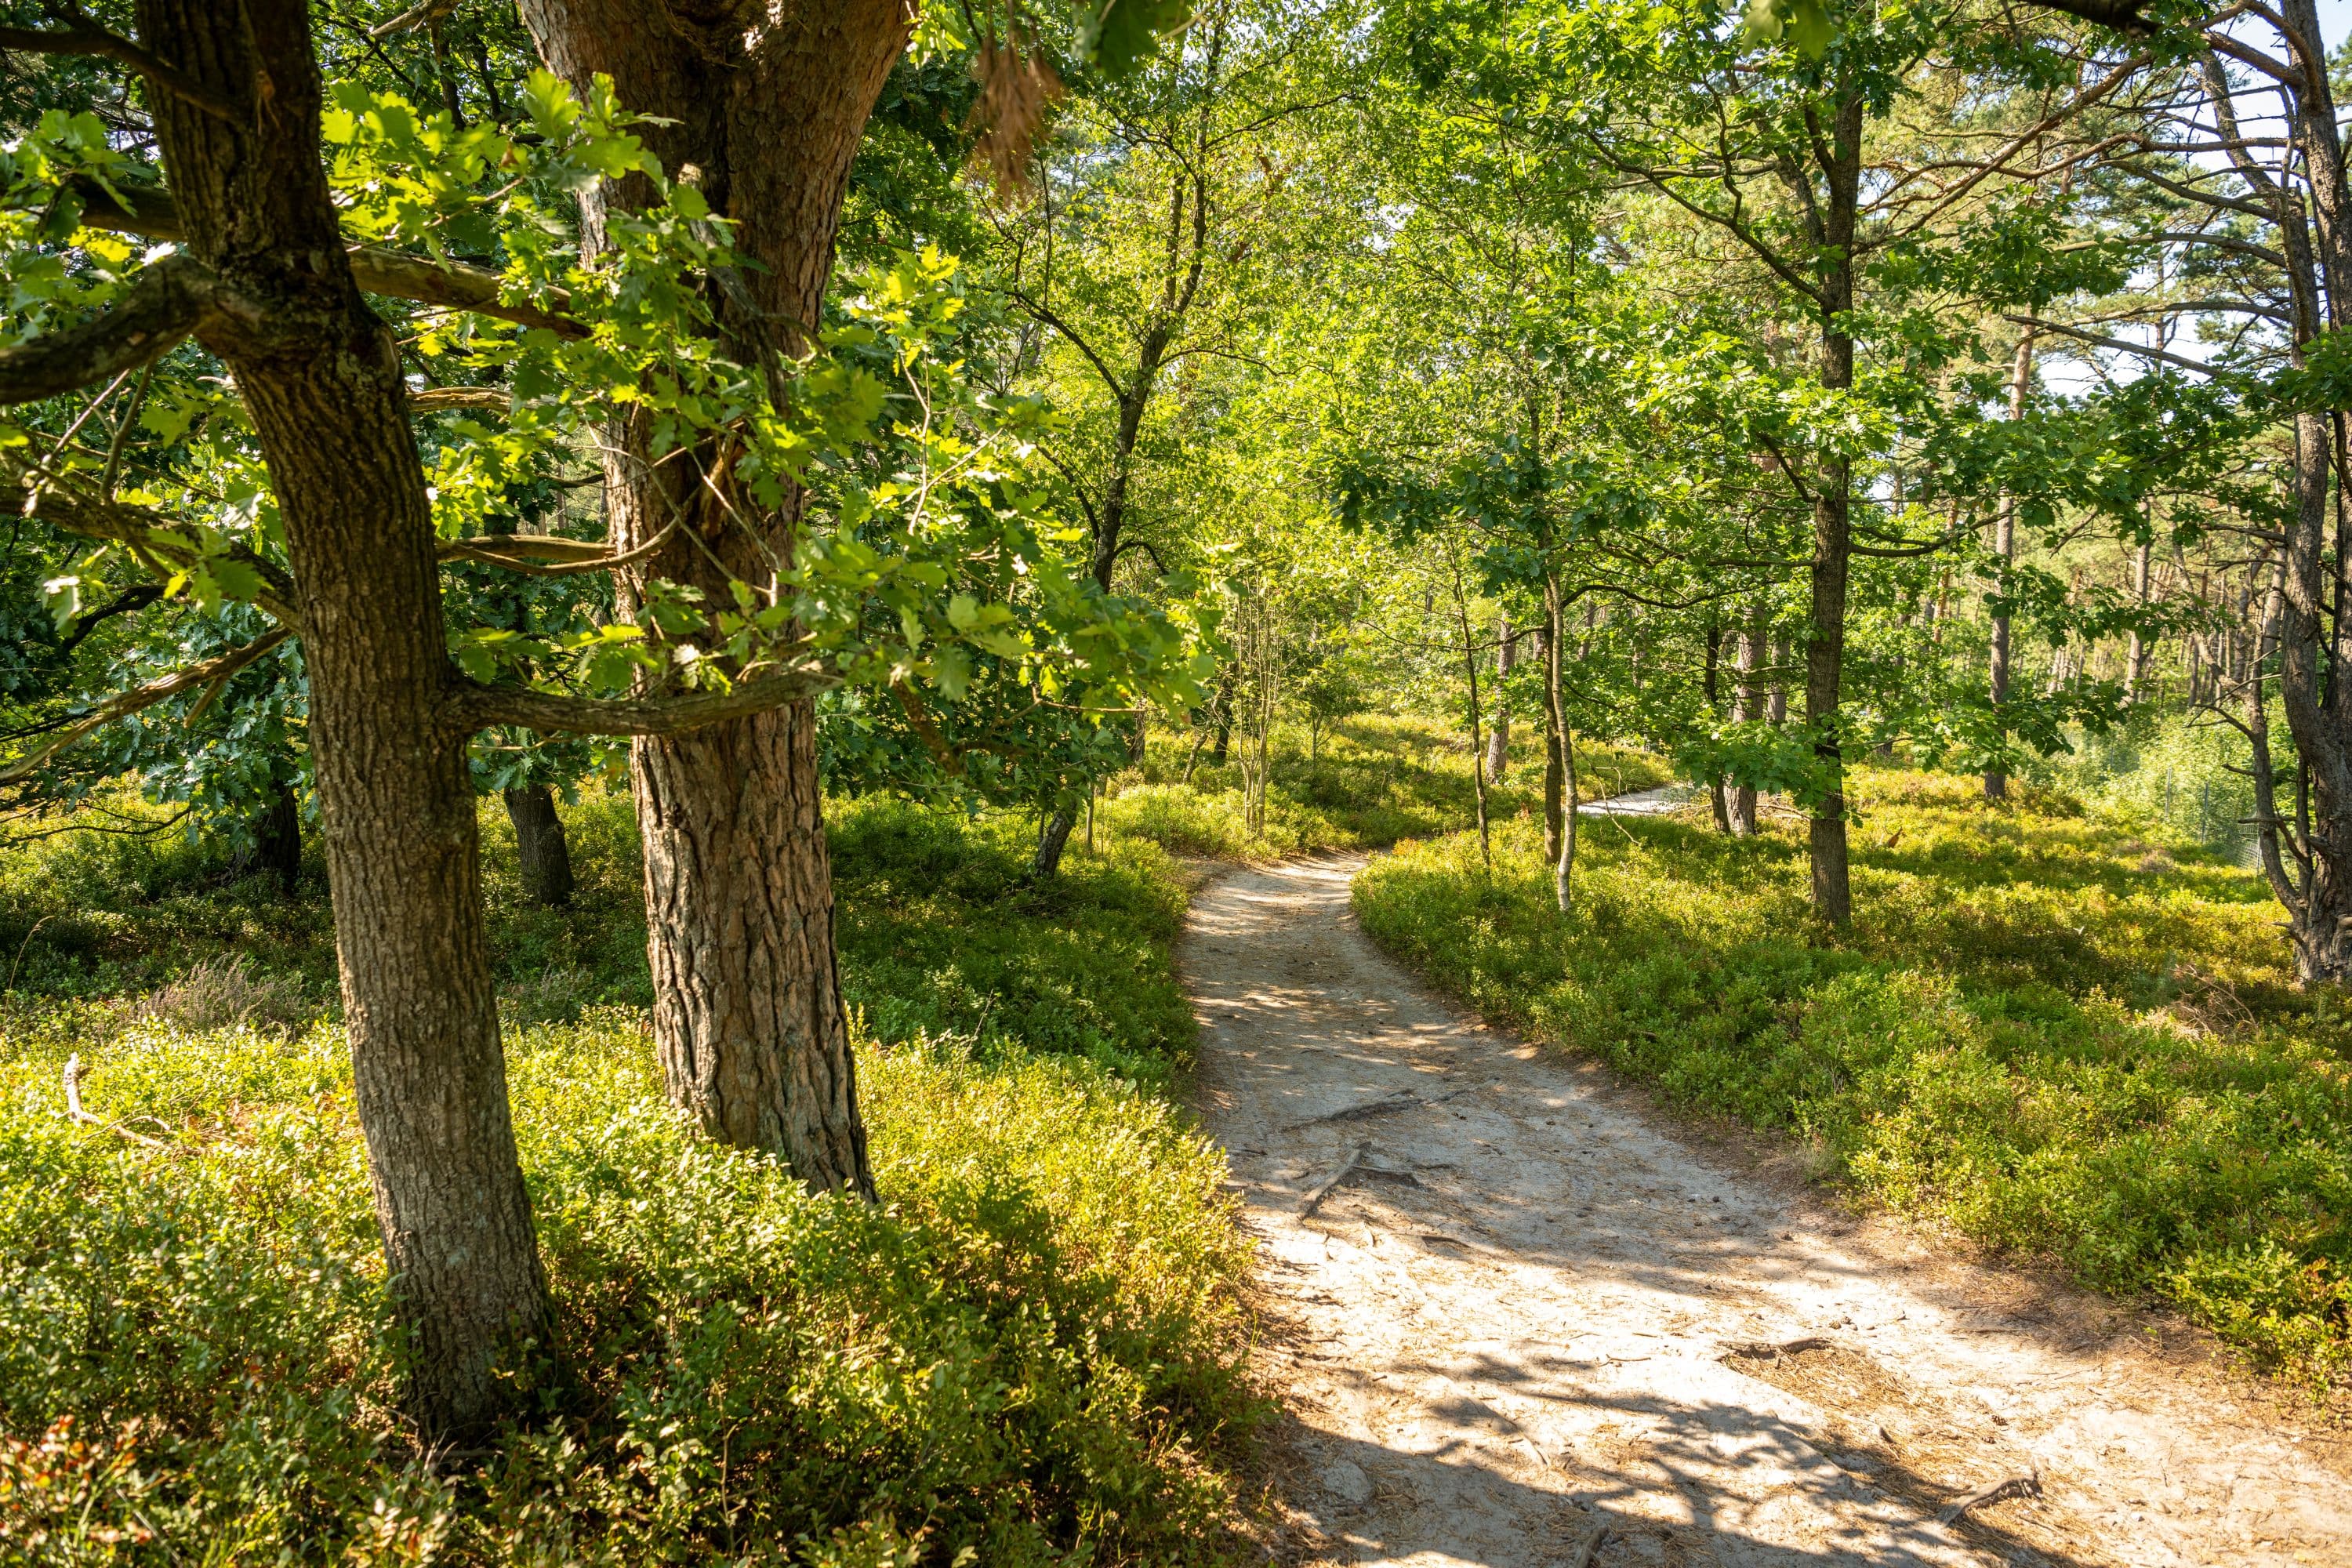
<point>2004,551</point>
<point>278,839</point>
<point>748,1017</point>
<point>322,379</point>
<point>541,848</point>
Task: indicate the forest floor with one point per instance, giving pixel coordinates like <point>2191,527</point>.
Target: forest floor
<point>1522,1314</point>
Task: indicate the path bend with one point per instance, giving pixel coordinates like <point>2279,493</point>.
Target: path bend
<point>1522,1322</point>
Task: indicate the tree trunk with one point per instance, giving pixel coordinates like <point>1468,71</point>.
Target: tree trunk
<point>748,1016</point>
<point>278,839</point>
<point>1746,707</point>
<point>1776,705</point>
<point>1499,743</point>
<point>320,377</point>
<point>2136,652</point>
<point>1716,796</point>
<point>1477,740</point>
<point>2004,551</point>
<point>1833,524</point>
<point>1555,778</point>
<point>541,848</point>
<point>1563,849</point>
<point>1222,751</point>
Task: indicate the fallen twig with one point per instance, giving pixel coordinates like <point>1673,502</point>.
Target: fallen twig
<point>1400,1100</point>
<point>2026,1485</point>
<point>1324,1189</point>
<point>1761,1350</point>
<point>1361,1111</point>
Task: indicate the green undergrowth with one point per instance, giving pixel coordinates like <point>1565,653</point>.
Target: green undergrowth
<point>1365,783</point>
<point>2045,1029</point>
<point>1031,1352</point>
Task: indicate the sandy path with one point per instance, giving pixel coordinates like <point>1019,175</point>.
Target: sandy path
<point>1529,1314</point>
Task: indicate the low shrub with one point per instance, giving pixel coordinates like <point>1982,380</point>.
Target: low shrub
<point>1030,1349</point>
<point>2039,1030</point>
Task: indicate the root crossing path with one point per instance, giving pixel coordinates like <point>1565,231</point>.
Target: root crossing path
<point>1524,1319</point>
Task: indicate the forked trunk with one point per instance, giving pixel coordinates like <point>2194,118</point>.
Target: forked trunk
<point>542,851</point>
<point>748,1017</point>
<point>321,376</point>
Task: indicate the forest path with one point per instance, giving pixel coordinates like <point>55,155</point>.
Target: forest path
<point>1515,1311</point>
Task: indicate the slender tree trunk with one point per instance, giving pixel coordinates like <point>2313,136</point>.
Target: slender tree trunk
<point>2136,654</point>
<point>748,1017</point>
<point>1222,751</point>
<point>1477,739</point>
<point>321,376</point>
<point>1716,797</point>
<point>541,850</point>
<point>1746,707</point>
<point>1833,524</point>
<point>1555,726</point>
<point>1499,743</point>
<point>1776,705</point>
<point>1563,850</point>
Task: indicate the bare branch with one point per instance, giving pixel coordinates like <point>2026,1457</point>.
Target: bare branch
<point>2106,342</point>
<point>545,555</point>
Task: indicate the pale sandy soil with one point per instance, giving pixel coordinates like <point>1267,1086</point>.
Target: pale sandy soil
<point>1534,1321</point>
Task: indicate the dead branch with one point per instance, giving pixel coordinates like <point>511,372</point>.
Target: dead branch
<point>547,555</point>
<point>1332,1184</point>
<point>75,1112</point>
<point>2026,1485</point>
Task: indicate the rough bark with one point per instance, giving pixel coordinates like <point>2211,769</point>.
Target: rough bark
<point>748,1016</point>
<point>541,850</point>
<point>322,379</point>
<point>2004,551</point>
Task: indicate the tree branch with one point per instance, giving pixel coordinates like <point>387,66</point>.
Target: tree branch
<point>209,672</point>
<point>152,214</point>
<point>568,557</point>
<point>81,35</point>
<point>169,302</point>
<point>2106,343</point>
<point>477,707</point>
